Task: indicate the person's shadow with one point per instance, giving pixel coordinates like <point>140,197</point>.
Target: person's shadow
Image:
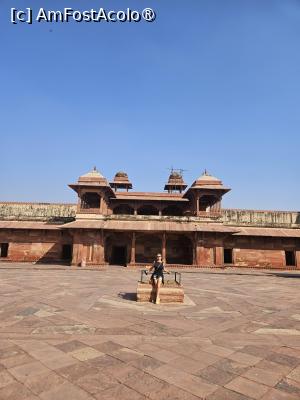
<point>127,296</point>
<point>133,296</point>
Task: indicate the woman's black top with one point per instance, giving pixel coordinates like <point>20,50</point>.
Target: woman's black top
<point>158,270</point>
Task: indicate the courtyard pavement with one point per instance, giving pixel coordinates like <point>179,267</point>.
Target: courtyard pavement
<point>70,334</point>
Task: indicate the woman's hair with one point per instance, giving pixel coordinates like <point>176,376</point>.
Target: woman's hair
<point>158,255</point>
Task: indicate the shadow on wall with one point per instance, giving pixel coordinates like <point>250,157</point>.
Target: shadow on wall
<point>58,253</point>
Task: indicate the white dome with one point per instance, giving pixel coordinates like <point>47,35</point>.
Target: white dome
<point>92,174</point>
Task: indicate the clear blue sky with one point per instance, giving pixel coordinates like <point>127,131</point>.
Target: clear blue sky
<point>210,84</point>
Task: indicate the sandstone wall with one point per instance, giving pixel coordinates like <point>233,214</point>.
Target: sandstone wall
<point>34,245</point>
<point>259,258</point>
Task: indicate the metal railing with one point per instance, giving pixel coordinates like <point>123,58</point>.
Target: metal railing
<point>145,276</point>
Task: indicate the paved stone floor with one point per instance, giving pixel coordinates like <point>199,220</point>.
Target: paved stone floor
<point>79,335</point>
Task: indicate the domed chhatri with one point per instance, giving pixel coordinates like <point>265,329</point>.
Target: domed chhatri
<point>175,183</point>
<point>206,176</point>
<point>91,176</point>
<point>121,174</point>
<point>208,181</point>
<point>121,181</point>
<point>175,175</point>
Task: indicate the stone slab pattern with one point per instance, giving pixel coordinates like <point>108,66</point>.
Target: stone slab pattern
<point>80,335</point>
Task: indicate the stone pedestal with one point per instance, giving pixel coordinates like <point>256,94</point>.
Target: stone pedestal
<point>167,293</point>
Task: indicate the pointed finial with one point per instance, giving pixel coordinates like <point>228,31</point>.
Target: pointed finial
<point>95,168</point>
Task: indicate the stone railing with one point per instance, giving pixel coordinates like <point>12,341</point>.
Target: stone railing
<point>232,217</point>
<point>202,218</point>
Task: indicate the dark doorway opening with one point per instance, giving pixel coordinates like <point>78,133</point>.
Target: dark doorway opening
<point>290,259</point>
<point>119,255</point>
<point>4,250</point>
<point>206,201</point>
<point>172,211</point>
<point>228,259</point>
<point>147,210</point>
<point>90,200</point>
<point>67,250</point>
<point>179,250</point>
<point>123,209</point>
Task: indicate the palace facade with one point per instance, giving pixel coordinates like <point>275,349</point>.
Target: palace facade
<point>111,224</point>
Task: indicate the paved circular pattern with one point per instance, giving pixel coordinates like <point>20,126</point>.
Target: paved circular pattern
<point>79,334</point>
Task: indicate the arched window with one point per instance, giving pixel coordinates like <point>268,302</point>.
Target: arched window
<point>123,209</point>
<point>206,201</point>
<point>172,211</point>
<point>147,210</point>
<point>90,200</point>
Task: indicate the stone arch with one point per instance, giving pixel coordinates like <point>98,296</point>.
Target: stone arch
<point>90,200</point>
<point>117,248</point>
<point>179,249</point>
<point>146,247</point>
<point>147,209</point>
<point>123,209</point>
<point>206,201</point>
<point>172,210</point>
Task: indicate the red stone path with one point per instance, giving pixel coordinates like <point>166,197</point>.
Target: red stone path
<point>79,335</point>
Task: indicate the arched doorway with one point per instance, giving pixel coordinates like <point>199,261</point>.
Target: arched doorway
<point>146,248</point>
<point>117,249</point>
<point>179,250</point>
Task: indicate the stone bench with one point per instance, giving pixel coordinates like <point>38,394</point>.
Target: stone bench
<point>168,293</point>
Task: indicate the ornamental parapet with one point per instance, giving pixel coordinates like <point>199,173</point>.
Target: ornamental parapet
<point>261,218</point>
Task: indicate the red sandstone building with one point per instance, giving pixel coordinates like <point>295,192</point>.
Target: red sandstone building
<point>113,225</point>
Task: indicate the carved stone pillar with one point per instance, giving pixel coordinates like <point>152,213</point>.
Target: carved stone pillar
<point>199,254</point>
<point>219,256</point>
<point>101,249</point>
<point>163,248</point>
<point>102,205</point>
<point>75,258</point>
<point>197,204</point>
<point>195,246</point>
<point>76,252</point>
<point>298,259</point>
<point>132,258</point>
